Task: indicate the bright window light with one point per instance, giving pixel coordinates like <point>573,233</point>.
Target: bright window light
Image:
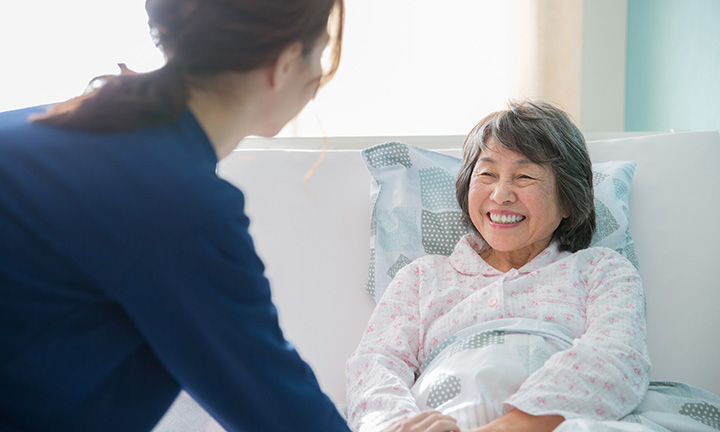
<point>52,49</point>
<point>409,67</point>
<point>414,67</point>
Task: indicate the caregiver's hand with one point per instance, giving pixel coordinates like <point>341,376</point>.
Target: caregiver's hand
<point>426,421</point>
<point>520,421</point>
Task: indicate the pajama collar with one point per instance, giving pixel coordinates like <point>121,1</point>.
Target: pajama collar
<point>466,257</point>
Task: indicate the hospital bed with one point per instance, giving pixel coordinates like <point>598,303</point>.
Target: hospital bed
<point>310,214</point>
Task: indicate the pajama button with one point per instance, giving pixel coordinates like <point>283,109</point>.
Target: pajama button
<point>492,301</point>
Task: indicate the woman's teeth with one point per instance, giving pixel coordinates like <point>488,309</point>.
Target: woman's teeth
<point>506,219</point>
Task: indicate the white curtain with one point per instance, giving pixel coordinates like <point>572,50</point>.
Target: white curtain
<point>547,52</point>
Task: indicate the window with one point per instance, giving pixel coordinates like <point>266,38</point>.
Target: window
<point>409,67</point>
<point>414,67</point>
<point>51,49</point>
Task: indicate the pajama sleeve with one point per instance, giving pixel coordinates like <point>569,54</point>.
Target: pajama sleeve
<point>605,374</point>
<point>382,369</point>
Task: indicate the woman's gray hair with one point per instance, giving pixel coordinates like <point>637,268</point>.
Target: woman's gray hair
<point>547,136</point>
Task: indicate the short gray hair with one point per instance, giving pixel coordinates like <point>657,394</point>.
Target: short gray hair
<point>545,135</point>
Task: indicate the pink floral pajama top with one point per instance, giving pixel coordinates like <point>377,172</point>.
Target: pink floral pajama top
<point>595,293</point>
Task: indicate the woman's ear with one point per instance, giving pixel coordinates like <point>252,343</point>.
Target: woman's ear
<point>282,69</point>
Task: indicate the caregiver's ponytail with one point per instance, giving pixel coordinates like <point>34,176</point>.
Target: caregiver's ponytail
<point>201,39</point>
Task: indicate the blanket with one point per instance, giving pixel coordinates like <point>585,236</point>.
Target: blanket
<point>474,371</point>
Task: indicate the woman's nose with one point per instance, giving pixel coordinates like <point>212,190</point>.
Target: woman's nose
<point>503,193</point>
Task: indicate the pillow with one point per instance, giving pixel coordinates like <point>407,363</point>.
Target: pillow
<point>415,212</point>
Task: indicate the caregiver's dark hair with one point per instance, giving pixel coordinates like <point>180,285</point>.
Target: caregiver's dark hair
<point>547,136</point>
<point>200,39</point>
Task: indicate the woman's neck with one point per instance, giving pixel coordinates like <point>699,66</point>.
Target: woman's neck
<point>223,106</point>
<point>506,261</point>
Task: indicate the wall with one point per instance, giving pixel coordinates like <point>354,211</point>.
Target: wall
<point>603,66</point>
<point>572,52</point>
<point>673,65</point>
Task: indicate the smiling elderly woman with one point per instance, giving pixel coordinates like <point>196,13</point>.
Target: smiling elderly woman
<point>523,326</point>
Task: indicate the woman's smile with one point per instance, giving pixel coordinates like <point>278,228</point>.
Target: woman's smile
<point>505,219</point>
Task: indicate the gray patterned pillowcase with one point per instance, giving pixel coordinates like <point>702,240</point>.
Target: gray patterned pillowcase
<point>415,213</point>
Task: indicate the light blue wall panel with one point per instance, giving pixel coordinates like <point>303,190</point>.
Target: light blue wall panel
<point>673,65</point>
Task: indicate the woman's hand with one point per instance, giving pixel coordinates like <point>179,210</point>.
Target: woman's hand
<point>520,421</point>
<point>426,421</point>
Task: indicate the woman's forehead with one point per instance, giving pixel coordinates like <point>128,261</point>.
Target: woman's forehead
<point>491,156</point>
<point>492,146</point>
<point>493,150</point>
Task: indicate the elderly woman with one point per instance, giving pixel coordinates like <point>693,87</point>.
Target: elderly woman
<point>523,326</point>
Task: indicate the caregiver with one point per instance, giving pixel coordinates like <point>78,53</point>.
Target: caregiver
<point>126,268</point>
<point>523,326</point>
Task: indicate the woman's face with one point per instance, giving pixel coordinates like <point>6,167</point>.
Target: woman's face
<point>303,82</point>
<point>513,202</point>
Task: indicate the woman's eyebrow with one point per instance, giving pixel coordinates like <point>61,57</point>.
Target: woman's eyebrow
<point>489,160</point>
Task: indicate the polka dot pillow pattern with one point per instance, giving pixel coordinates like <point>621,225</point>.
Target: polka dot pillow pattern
<point>415,213</point>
